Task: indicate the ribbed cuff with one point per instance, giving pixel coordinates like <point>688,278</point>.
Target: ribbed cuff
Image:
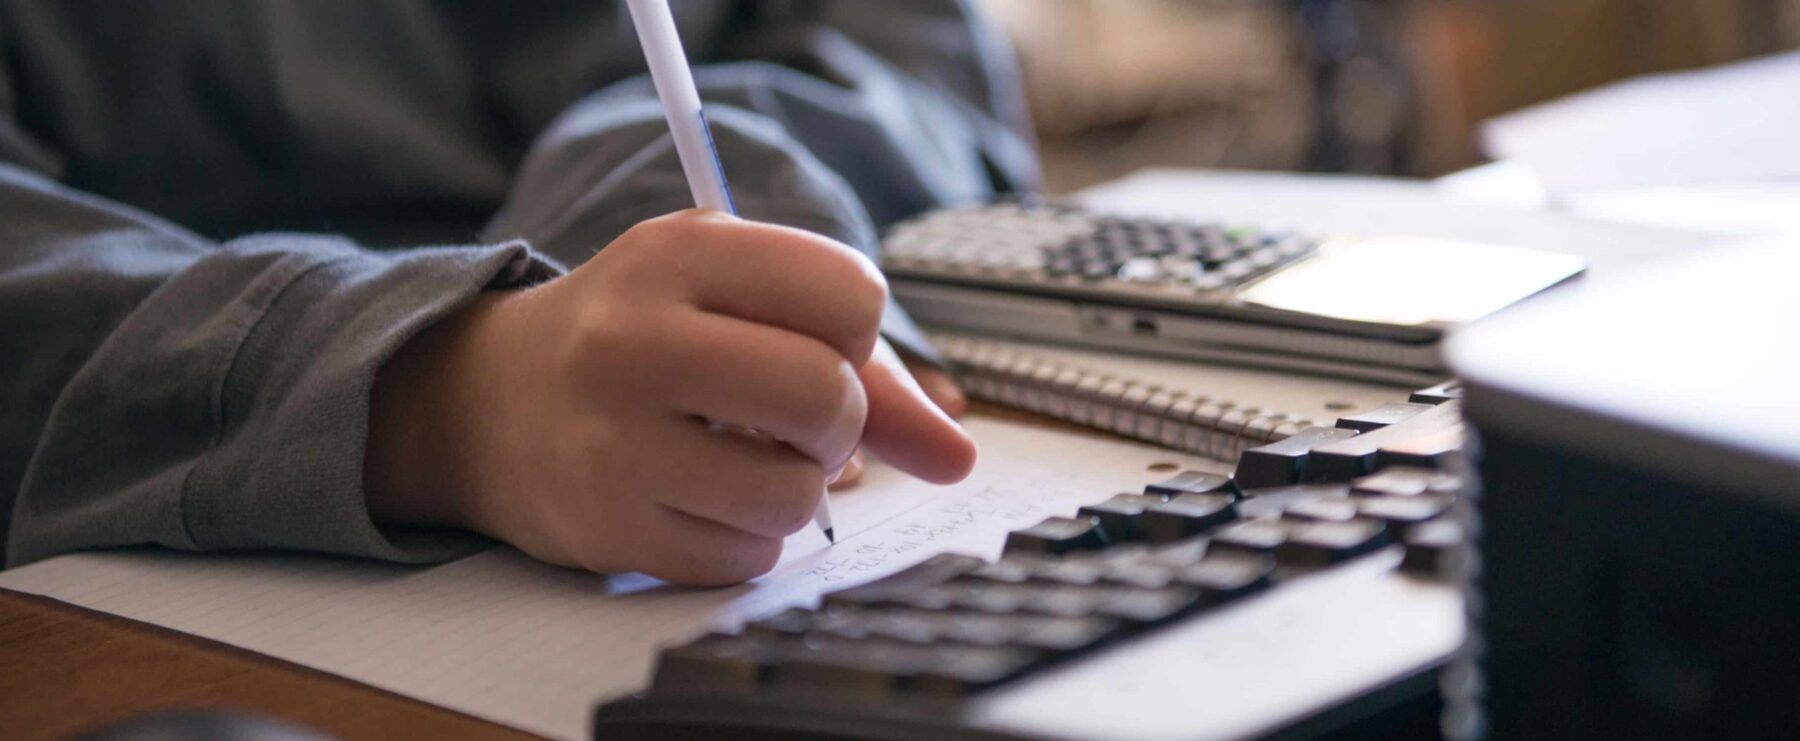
<point>287,470</point>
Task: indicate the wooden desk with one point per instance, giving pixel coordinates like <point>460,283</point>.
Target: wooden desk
<point>66,670</point>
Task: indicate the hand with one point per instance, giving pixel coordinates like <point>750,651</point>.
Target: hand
<point>887,371</point>
<point>588,421</point>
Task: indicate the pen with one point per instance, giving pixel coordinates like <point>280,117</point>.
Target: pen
<point>681,104</point>
<point>700,163</point>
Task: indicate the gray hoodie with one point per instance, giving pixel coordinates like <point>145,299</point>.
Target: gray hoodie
<point>219,217</point>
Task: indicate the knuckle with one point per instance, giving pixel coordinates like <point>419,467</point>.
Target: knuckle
<point>829,397</point>
<point>643,237</point>
<point>735,562</point>
<point>659,240</point>
<point>786,500</point>
<point>755,558</point>
<point>872,287</point>
<point>801,499</point>
<point>865,295</point>
<point>862,285</point>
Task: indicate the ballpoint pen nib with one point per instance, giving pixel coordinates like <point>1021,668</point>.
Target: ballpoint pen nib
<point>830,536</point>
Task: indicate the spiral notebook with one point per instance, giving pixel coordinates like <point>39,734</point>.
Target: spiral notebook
<point>1206,410</point>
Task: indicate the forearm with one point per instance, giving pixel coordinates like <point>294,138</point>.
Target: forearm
<point>198,395</point>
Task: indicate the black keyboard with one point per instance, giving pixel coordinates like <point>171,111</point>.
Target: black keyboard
<point>914,647</point>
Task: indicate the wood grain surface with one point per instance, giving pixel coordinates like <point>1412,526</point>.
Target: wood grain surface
<point>65,670</point>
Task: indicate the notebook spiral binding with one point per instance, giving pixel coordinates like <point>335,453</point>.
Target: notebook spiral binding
<point>1181,419</point>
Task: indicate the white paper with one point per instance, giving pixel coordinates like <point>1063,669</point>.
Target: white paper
<point>505,638</point>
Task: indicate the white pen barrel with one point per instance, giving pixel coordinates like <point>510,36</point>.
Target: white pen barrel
<point>681,103</point>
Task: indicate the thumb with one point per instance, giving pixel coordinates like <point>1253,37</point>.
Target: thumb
<point>906,429</point>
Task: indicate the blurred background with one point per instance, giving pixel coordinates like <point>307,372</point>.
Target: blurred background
<point>1393,87</point>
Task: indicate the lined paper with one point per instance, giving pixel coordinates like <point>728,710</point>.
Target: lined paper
<point>508,639</point>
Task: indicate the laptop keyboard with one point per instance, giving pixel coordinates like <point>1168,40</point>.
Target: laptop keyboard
<point>955,625</point>
<point>1072,248</point>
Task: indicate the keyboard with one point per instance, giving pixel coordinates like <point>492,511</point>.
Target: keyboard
<point>1070,250</point>
<point>1347,537</point>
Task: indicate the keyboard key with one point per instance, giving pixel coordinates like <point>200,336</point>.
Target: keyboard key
<point>794,622</point>
<point>1380,416</point>
<point>1447,391</point>
<point>1325,543</point>
<point>973,594</point>
<point>1434,451</point>
<point>1192,482</point>
<point>870,668</point>
<point>1428,547</point>
<point>1273,502</point>
<point>1404,481</point>
<point>1070,571</point>
<point>1120,554</point>
<point>713,663</point>
<point>1185,516</point>
<point>935,570</point>
<point>1118,516</point>
<point>1142,270</point>
<point>1401,511</point>
<point>1063,634</point>
<point>1147,573</point>
<point>1066,600</point>
<point>1252,538</point>
<point>1322,509</point>
<point>1282,463</point>
<point>1047,633</point>
<point>1146,606</point>
<point>1057,535</point>
<point>1223,578</point>
<point>1011,568</point>
<point>963,626</point>
<point>893,623</point>
<point>1346,460</point>
<point>960,671</point>
<point>911,625</point>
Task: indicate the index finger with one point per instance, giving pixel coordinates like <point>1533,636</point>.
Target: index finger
<point>783,277</point>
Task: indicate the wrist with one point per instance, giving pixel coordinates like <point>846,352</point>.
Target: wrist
<point>419,467</point>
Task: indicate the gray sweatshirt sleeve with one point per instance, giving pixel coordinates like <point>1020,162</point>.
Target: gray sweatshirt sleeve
<point>162,389</point>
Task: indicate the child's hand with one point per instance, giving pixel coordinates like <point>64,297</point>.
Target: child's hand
<point>937,386</point>
<point>590,421</point>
